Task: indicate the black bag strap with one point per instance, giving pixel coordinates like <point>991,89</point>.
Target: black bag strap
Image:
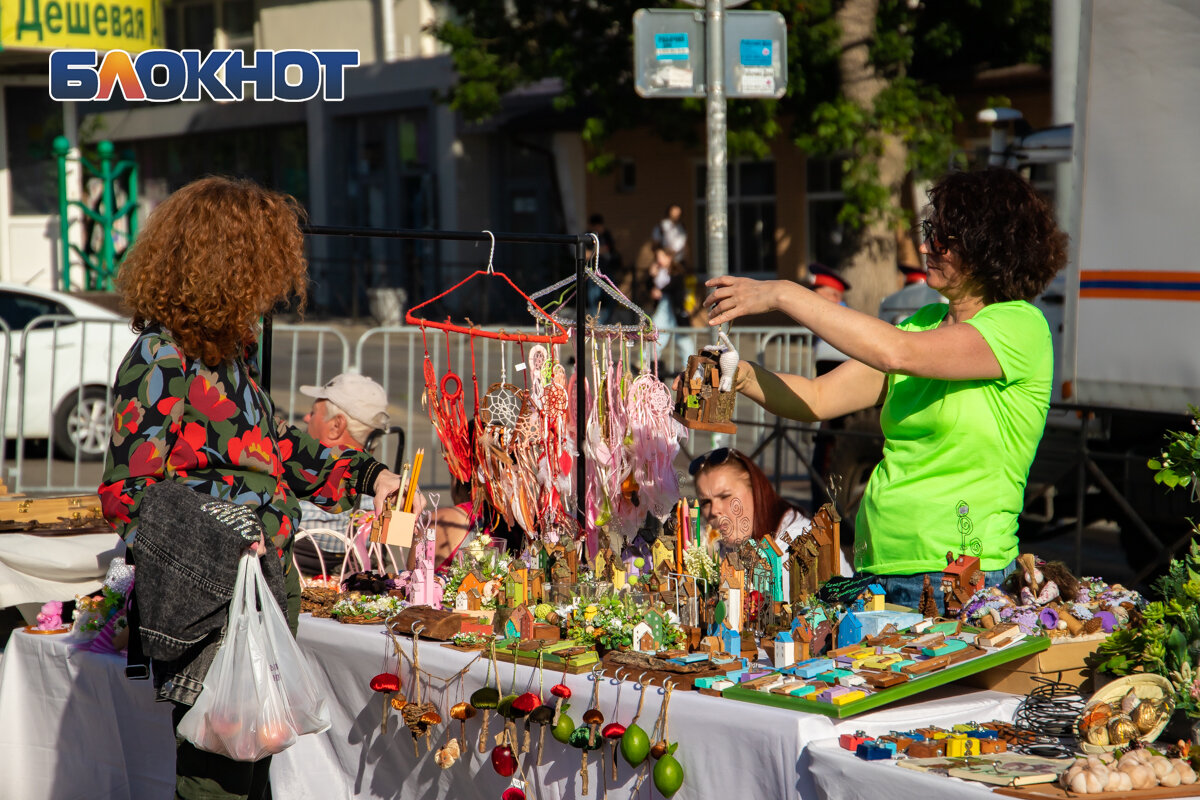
<point>137,665</point>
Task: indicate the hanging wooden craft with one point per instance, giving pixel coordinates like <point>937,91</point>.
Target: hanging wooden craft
<point>706,389</point>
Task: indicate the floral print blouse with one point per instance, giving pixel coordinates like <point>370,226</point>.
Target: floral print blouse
<point>215,430</point>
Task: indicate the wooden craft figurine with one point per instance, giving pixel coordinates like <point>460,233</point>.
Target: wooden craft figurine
<point>813,557</point>
<point>706,394</point>
<point>961,578</point>
<point>424,589</point>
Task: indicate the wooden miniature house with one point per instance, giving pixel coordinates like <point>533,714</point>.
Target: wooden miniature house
<point>961,578</point>
<point>826,531</point>
<point>699,403</point>
<point>523,620</point>
<point>474,600</point>
<point>772,557</point>
<point>874,597</point>
<point>472,580</point>
<point>535,584</point>
<point>785,650</point>
<point>643,638</point>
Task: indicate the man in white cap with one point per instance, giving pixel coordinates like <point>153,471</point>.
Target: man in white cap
<point>344,413</point>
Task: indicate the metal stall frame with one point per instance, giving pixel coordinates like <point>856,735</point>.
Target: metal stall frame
<point>578,241</point>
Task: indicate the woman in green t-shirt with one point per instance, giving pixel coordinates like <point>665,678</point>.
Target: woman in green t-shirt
<point>965,386</point>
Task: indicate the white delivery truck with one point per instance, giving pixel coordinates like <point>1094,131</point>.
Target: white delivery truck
<point>1128,307</point>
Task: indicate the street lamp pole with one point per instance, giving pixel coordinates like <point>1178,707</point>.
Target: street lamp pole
<point>717,193</point>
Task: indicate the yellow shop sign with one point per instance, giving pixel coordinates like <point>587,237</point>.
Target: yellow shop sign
<point>132,25</point>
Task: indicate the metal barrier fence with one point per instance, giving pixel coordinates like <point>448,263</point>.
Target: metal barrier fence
<point>63,369</point>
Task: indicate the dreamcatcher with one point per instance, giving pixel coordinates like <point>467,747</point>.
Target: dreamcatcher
<point>444,400</point>
<point>630,439</point>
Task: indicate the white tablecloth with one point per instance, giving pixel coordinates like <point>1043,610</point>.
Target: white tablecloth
<point>841,775</point>
<point>71,726</point>
<point>38,569</point>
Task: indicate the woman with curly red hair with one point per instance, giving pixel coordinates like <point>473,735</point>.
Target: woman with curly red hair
<point>965,386</point>
<point>213,259</point>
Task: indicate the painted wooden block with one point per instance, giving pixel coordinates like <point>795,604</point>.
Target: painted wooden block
<point>983,733</point>
<point>960,745</point>
<point>813,667</point>
<point>852,681</point>
<point>931,748</point>
<point>848,697</point>
<point>873,751</point>
<point>898,741</point>
<point>987,746</point>
<point>829,694</point>
<point>881,661</point>
<point>851,741</point>
<point>945,648</point>
<point>900,665</point>
<point>883,680</point>
<point>787,686</point>
<point>831,676</point>
<point>803,691</point>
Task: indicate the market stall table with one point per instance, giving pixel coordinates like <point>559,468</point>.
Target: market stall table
<point>35,569</point>
<point>72,726</point>
<point>840,775</point>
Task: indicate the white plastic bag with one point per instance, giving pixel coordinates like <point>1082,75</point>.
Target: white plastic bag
<point>258,695</point>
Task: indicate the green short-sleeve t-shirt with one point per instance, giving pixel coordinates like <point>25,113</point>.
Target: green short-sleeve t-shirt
<point>957,453</point>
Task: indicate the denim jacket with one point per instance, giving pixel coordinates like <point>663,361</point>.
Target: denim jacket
<point>185,582</point>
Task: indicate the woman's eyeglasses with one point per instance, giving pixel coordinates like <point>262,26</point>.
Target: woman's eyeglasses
<point>713,458</point>
<point>935,240</point>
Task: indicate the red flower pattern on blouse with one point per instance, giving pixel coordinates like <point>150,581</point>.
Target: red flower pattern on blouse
<point>208,397</point>
<point>188,451</point>
<point>206,427</point>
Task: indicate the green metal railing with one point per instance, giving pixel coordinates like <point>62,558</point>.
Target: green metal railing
<point>100,266</point>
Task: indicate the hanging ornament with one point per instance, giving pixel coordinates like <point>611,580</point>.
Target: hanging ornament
<point>635,743</point>
<point>486,699</point>
<point>448,753</point>
<point>503,760</point>
<point>386,683</point>
<point>613,732</point>
<point>668,772</point>
<point>462,712</point>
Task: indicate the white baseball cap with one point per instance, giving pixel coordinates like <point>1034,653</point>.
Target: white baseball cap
<point>357,395</point>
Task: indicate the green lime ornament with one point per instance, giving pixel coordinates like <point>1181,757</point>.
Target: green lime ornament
<point>565,727</point>
<point>635,745</point>
<point>668,775</point>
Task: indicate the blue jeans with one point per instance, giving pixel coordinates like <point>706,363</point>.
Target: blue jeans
<point>905,590</point>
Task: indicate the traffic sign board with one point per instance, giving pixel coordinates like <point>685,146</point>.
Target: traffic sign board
<point>670,56</point>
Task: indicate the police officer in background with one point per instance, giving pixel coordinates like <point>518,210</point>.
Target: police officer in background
<point>900,305</point>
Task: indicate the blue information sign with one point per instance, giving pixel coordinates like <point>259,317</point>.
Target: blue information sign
<point>755,52</point>
<point>671,46</point>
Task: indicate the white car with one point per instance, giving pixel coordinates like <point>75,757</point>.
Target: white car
<point>66,364</point>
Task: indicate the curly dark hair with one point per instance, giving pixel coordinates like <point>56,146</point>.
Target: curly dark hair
<point>213,258</point>
<point>1004,233</point>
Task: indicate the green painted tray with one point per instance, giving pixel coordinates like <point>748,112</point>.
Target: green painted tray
<point>1027,646</point>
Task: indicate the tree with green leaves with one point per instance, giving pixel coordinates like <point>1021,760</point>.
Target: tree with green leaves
<point>870,82</point>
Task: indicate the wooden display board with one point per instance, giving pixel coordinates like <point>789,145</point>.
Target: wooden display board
<point>881,697</point>
<point>1039,791</point>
